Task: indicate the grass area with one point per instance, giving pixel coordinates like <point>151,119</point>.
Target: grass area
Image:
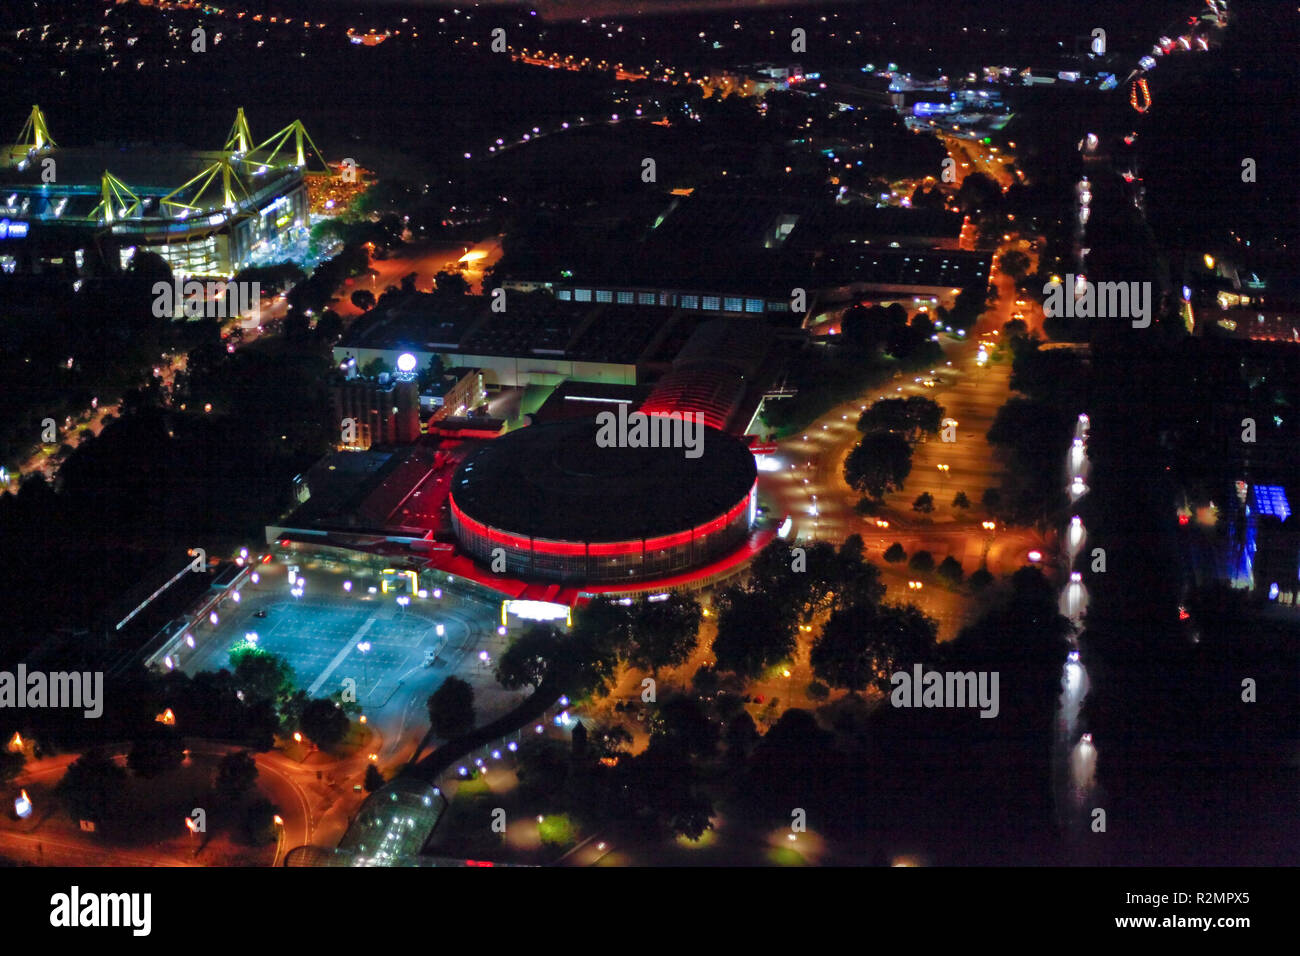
<point>707,839</point>
<point>557,830</point>
<point>477,786</point>
<point>467,826</point>
<point>784,856</point>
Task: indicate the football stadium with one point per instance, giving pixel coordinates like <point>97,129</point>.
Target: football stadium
<point>80,211</point>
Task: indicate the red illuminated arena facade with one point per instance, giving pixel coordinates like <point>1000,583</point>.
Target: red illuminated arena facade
<point>562,508</point>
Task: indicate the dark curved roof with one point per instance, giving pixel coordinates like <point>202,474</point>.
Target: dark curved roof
<point>713,392</point>
<point>553,481</point>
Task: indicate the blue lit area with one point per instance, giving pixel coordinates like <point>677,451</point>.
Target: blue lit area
<point>1271,500</point>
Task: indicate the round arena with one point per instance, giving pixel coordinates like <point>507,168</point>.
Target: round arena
<point>560,507</point>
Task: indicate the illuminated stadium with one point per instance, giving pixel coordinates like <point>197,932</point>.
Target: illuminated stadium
<point>79,211</point>
<point>561,508</point>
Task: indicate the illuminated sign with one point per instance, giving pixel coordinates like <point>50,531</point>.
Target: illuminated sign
<point>12,230</point>
<point>536,611</point>
<point>391,577</point>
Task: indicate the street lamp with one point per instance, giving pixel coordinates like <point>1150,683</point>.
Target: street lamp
<point>364,648</point>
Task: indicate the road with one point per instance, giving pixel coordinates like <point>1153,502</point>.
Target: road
<point>810,486</point>
<point>425,259</point>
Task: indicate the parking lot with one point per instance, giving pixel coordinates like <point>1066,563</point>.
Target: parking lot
<point>329,634</point>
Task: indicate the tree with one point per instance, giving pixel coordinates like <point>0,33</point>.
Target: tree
<point>961,501</point>
<point>991,500</point>
<point>375,367</point>
<point>329,327</point>
<point>451,283</point>
<point>258,825</point>
<point>682,723</point>
<point>451,708</point>
<point>363,299</point>
<point>543,768</point>
<point>661,783</point>
<point>878,464</point>
<point>866,507</point>
<point>324,723</point>
<point>841,655</point>
<point>863,327</point>
<point>432,372</point>
<point>663,633</point>
<point>89,785</point>
<point>740,736</point>
<point>910,417</point>
<point>236,774</point>
<point>154,755</point>
<point>260,674</point>
<point>980,579</point>
<point>608,740</point>
<point>374,778</point>
<point>924,503</point>
<point>863,645</point>
<point>1015,264</point>
<point>895,553</point>
<point>978,190</point>
<point>528,658</point>
<point>705,679</point>
<point>755,630</point>
<point>922,561</point>
<point>950,569</point>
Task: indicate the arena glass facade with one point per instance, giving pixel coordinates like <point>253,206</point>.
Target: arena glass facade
<point>607,561</point>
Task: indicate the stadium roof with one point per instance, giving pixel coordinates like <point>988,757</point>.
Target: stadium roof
<point>555,482</point>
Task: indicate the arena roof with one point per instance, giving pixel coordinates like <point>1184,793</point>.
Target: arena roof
<point>554,482</point>
<point>713,371</point>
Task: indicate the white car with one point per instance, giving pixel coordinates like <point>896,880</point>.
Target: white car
<point>430,657</point>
